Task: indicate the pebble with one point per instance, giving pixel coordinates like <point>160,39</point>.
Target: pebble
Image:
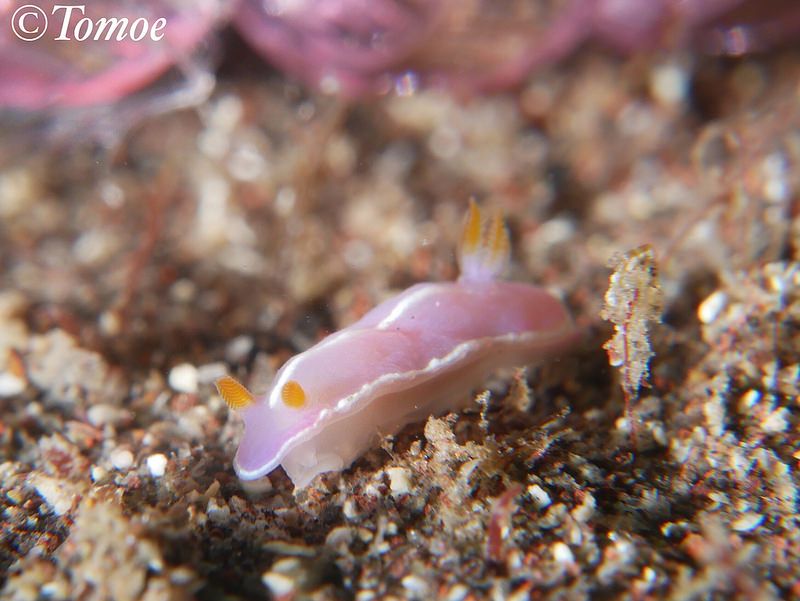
<point>710,309</point>
<point>121,459</point>
<point>399,480</point>
<point>669,84</point>
<point>349,509</point>
<point>217,513</point>
<point>562,553</point>
<point>659,435</point>
<point>98,473</point>
<point>101,414</point>
<point>649,574</point>
<point>749,400</point>
<point>256,487</point>
<point>279,584</point>
<point>183,290</point>
<point>583,512</point>
<point>56,590</point>
<point>181,576</point>
<point>341,535</point>
<point>747,522</point>
<point>183,378</point>
<point>539,496</point>
<point>777,421</point>
<point>458,592</point>
<point>210,372</point>
<point>54,493</point>
<point>16,496</point>
<point>157,465</point>
<point>238,348</point>
<point>417,587</point>
<point>10,385</point>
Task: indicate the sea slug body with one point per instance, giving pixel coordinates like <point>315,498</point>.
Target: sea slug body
<point>417,354</point>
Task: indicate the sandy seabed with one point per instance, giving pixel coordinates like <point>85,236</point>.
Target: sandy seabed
<point>227,237</point>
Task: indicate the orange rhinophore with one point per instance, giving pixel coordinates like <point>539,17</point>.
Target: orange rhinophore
<point>233,393</point>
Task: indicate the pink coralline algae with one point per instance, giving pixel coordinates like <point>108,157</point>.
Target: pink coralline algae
<point>359,47</point>
<point>59,68</point>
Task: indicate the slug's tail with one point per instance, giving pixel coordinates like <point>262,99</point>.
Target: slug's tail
<point>485,249</point>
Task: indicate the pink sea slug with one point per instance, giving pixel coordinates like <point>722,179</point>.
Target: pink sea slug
<point>417,354</point>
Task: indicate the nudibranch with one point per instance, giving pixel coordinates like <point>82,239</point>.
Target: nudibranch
<point>414,355</point>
